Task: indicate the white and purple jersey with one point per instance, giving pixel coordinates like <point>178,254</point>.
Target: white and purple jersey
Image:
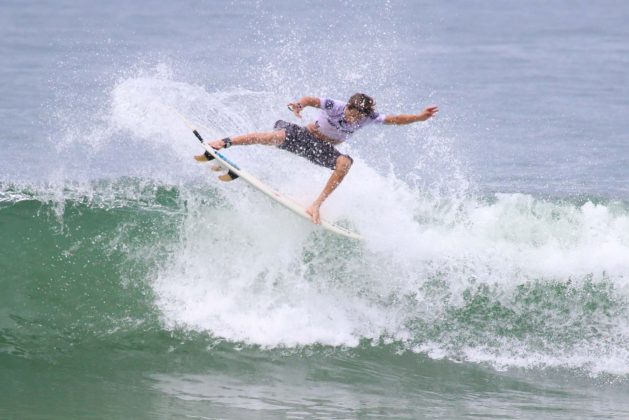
<point>331,122</point>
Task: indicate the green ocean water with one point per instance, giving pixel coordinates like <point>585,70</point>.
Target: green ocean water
<point>84,332</point>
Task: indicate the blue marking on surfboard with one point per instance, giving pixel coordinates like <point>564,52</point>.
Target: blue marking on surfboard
<point>227,160</point>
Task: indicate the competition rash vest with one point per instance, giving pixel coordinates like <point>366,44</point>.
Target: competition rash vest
<point>331,122</point>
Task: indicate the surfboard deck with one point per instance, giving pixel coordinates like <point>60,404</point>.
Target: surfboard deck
<point>235,172</point>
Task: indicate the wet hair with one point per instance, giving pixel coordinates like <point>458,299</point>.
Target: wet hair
<point>362,103</point>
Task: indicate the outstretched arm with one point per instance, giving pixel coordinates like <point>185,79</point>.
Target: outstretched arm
<point>298,106</point>
<point>411,118</point>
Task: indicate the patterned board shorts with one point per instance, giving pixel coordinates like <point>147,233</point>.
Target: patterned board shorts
<point>303,143</point>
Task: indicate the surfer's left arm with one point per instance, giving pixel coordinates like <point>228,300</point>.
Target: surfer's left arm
<point>403,119</point>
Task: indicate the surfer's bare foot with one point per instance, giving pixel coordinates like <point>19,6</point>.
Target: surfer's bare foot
<point>217,144</point>
<point>313,212</point>
<point>200,158</point>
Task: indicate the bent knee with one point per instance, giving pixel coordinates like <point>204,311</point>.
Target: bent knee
<point>344,162</point>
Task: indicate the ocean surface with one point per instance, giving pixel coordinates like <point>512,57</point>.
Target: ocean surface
<point>493,281</point>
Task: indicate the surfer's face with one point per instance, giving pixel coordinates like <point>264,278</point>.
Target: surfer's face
<point>358,107</point>
<point>352,115</point>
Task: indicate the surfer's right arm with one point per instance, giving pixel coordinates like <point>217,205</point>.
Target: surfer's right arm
<point>297,107</point>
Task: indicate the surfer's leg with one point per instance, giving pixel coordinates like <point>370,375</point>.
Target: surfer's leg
<point>269,138</point>
<point>343,165</point>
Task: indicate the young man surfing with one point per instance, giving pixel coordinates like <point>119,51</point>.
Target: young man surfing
<point>336,122</point>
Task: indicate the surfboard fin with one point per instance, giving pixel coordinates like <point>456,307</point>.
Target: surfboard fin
<point>229,176</point>
<point>205,157</point>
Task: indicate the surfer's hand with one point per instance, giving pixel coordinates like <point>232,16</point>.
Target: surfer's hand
<point>217,144</point>
<point>313,212</point>
<point>428,112</point>
<point>296,108</point>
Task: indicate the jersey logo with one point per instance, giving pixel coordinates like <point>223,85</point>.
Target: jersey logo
<point>342,125</point>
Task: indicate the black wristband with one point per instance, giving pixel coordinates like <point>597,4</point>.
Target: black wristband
<point>228,142</point>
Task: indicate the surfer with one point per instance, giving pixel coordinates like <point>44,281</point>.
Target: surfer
<point>336,122</point>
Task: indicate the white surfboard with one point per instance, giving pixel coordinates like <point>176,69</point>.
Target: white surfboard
<point>234,171</point>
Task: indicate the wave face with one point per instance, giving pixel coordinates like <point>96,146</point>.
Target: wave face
<point>510,280</point>
<point>75,264</point>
